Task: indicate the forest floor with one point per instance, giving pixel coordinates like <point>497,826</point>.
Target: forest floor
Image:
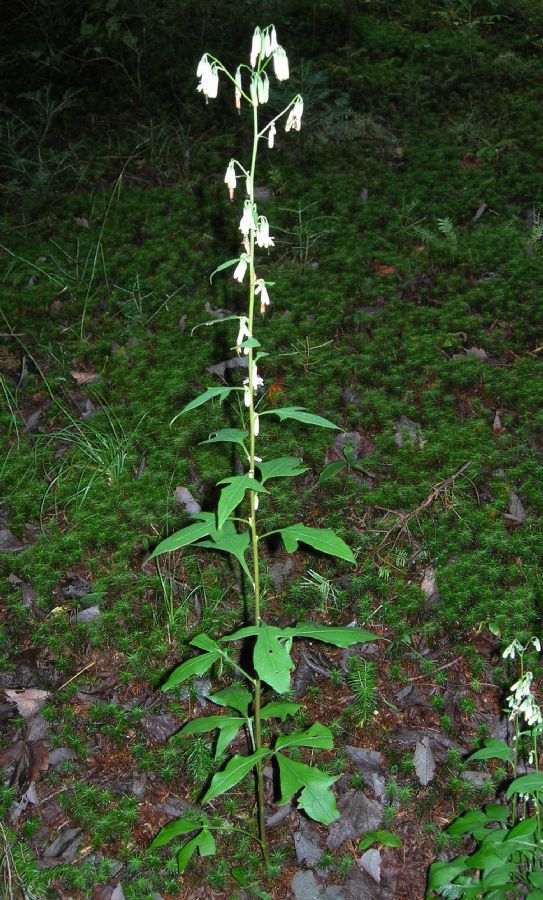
<point>407,307</point>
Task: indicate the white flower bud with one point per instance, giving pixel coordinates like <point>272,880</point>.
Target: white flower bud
<point>280,63</point>
<point>254,90</point>
<point>230,179</point>
<point>272,131</point>
<point>256,47</point>
<point>237,91</point>
<point>260,288</point>
<point>246,393</point>
<point>209,78</point>
<point>263,88</point>
<point>255,502</point>
<point>257,424</point>
<point>242,334</point>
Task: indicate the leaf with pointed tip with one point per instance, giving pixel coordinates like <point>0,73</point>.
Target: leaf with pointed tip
<point>236,769</point>
<point>330,471</point>
<point>279,710</point>
<point>494,748</point>
<point>271,658</point>
<point>197,665</point>
<point>203,842</point>
<point>526,784</point>
<point>233,494</point>
<point>382,837</point>
<point>211,393</point>
<point>250,343</point>
<point>183,538</point>
<point>328,634</point>
<point>282,467</point>
<point>234,543</point>
<point>221,268</point>
<point>322,539</point>
<point>234,696</point>
<point>316,798</point>
<point>318,736</point>
<point>227,436</point>
<point>228,727</point>
<point>300,414</point>
<point>174,829</point>
<point>204,642</point>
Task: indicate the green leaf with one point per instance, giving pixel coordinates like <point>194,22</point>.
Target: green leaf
<point>234,543</point>
<point>249,344</point>
<point>203,842</point>
<point>279,710</point>
<point>316,798</point>
<point>271,658</point>
<point>197,665</point>
<point>227,436</point>
<point>468,822</point>
<point>522,829</point>
<point>323,539</point>
<point>300,415</point>
<point>317,736</point>
<point>339,637</point>
<point>236,769</point>
<point>222,267</point>
<point>209,394</point>
<point>228,727</point>
<point>533,895</point>
<point>330,471</point>
<point>174,829</point>
<point>282,467</point>
<point>182,538</point>
<point>233,494</point>
<point>494,749</point>
<point>233,696</point>
<point>526,784</point>
<point>536,879</point>
<point>204,642</point>
<point>382,837</point>
<point>442,873</point>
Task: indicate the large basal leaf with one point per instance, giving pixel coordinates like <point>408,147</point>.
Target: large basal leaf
<point>227,436</point>
<point>339,637</point>
<point>236,769</point>
<point>228,727</point>
<point>323,539</point>
<point>174,829</point>
<point>316,798</point>
<point>234,492</point>
<point>234,696</point>
<point>278,710</point>
<point>212,393</point>
<point>300,414</point>
<point>526,784</point>
<point>318,737</point>
<point>282,467</point>
<point>442,873</point>
<point>197,665</point>
<point>234,543</point>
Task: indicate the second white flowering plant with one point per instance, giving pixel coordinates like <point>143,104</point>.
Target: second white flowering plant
<point>508,859</point>
<point>255,697</point>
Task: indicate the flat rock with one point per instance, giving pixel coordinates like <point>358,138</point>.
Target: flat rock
<point>306,887</point>
<point>160,727</point>
<point>86,615</point>
<point>9,543</point>
<point>358,885</point>
<point>439,743</point>
<point>358,814</point>
<point>366,761</point>
<point>306,844</point>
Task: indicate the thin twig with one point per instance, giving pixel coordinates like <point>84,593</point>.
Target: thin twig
<point>77,674</point>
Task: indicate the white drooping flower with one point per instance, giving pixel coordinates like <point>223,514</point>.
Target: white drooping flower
<point>241,268</point>
<point>247,221</point>
<point>521,701</point>
<point>294,119</point>
<point>246,393</point>
<point>209,78</point>
<point>263,88</point>
<point>272,131</point>
<point>513,648</point>
<point>280,63</point>
<point>270,41</point>
<point>230,179</point>
<point>256,47</point>
<point>260,288</point>
<point>255,502</point>
<point>253,89</point>
<point>237,90</point>
<point>242,334</point>
<point>263,238</point>
<point>256,383</point>
<point>537,644</point>
<point>256,424</point>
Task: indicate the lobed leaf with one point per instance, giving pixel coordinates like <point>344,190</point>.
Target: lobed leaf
<point>279,710</point>
<point>236,769</point>
<point>317,736</point>
<point>234,696</point>
<point>174,829</point>
<point>227,436</point>
<point>282,467</point>
<point>231,542</point>
<point>322,539</point>
<point>228,727</point>
<point>197,665</point>
<point>234,492</point>
<point>316,798</point>
<point>380,836</point>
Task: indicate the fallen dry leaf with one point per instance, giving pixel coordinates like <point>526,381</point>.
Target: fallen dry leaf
<point>84,377</point>
<point>28,702</point>
<point>382,268</point>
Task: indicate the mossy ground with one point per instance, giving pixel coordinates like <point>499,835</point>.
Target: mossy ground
<point>406,126</point>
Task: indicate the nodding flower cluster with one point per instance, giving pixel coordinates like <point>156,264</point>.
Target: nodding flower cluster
<point>208,74</point>
<point>521,701</point>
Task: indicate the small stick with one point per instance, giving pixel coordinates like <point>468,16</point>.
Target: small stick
<point>77,674</point>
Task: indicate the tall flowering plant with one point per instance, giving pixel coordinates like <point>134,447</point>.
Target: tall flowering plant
<point>234,527</point>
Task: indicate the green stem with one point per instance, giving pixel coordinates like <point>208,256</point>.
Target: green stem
<point>252,495</point>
